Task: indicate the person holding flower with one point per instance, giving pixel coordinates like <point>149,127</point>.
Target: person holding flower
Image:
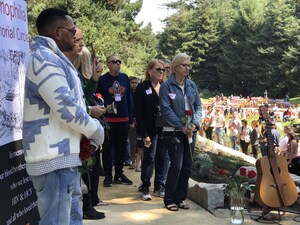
<point>179,95</point>
<point>89,70</point>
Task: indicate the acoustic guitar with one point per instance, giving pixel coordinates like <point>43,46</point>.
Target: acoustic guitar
<point>274,185</point>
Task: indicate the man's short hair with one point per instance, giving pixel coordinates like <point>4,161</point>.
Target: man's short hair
<point>49,17</point>
<point>133,78</point>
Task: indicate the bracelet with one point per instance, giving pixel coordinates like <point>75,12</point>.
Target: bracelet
<point>90,111</point>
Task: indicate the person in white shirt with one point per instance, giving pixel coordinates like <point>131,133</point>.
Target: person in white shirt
<point>284,141</point>
<point>234,125</point>
<point>219,126</point>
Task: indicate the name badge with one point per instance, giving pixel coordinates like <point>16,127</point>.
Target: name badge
<point>172,95</point>
<point>149,91</point>
<point>118,98</point>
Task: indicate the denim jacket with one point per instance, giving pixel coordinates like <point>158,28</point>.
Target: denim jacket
<point>172,102</point>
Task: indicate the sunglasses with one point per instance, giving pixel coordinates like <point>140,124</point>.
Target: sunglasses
<point>187,66</point>
<point>168,68</point>
<point>72,31</point>
<point>159,70</point>
<point>115,61</point>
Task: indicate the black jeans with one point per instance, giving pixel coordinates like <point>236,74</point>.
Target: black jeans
<point>179,171</point>
<point>115,144</point>
<point>295,166</point>
<point>208,133</point>
<point>162,162</point>
<point>244,146</point>
<point>148,162</point>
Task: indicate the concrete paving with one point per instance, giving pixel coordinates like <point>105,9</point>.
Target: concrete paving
<point>126,207</point>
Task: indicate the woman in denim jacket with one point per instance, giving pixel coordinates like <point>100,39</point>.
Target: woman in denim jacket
<point>181,110</point>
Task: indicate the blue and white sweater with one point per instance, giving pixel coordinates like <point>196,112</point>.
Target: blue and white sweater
<point>55,116</point>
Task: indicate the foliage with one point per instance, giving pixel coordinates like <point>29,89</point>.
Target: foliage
<point>238,46</point>
<point>204,164</point>
<point>110,26</point>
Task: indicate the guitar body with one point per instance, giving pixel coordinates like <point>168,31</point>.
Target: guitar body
<point>266,191</point>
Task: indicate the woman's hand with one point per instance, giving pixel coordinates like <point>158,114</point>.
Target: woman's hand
<point>97,69</point>
<point>97,111</point>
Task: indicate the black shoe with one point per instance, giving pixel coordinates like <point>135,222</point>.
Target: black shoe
<point>107,182</point>
<point>122,179</point>
<point>93,215</point>
<point>141,188</point>
<point>101,172</point>
<point>127,164</point>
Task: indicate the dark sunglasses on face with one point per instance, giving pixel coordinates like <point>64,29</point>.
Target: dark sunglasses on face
<point>160,70</point>
<point>72,31</point>
<point>115,61</point>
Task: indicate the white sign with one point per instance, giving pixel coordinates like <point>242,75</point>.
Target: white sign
<point>14,54</point>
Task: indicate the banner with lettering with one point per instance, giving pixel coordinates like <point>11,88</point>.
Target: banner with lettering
<point>17,198</point>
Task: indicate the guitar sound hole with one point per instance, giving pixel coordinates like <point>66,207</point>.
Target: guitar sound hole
<point>271,171</point>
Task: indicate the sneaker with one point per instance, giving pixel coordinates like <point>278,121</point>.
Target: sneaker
<point>107,182</point>
<point>159,193</point>
<point>122,179</point>
<point>93,214</point>
<point>146,195</point>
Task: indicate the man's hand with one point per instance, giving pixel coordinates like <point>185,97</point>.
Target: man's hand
<point>97,111</point>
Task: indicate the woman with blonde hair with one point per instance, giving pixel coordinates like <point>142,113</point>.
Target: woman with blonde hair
<point>182,111</point>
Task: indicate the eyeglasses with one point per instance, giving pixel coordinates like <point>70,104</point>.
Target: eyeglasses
<point>187,66</point>
<point>72,31</point>
<point>115,61</point>
<point>159,70</point>
<point>167,68</point>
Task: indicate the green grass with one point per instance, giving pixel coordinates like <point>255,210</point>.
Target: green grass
<point>295,101</point>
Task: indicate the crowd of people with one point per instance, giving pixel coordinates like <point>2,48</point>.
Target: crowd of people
<point>252,139</point>
<point>70,102</point>
<point>149,125</point>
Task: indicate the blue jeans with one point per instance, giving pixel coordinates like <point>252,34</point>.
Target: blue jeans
<point>58,196</point>
<point>234,145</point>
<point>219,132</point>
<point>180,169</point>
<point>148,162</point>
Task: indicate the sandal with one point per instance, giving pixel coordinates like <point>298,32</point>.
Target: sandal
<point>172,207</point>
<point>183,205</point>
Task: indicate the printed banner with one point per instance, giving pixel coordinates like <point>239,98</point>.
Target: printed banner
<point>14,54</point>
<point>17,198</point>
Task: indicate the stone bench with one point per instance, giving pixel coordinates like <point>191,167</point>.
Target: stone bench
<point>208,196</point>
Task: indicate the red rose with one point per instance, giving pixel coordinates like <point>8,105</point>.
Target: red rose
<point>243,171</point>
<point>221,172</point>
<point>85,150</point>
<point>251,174</point>
<point>188,112</point>
<point>98,95</point>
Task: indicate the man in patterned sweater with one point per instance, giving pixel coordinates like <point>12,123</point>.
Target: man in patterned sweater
<point>55,119</point>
